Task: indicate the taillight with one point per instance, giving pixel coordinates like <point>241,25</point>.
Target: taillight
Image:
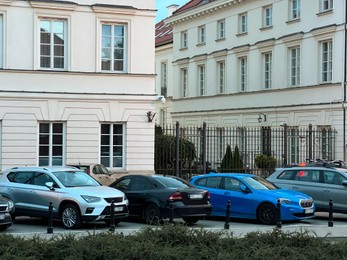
<point>208,196</point>
<point>175,196</point>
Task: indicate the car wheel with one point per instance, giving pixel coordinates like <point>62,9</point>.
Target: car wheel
<point>191,220</point>
<point>4,227</point>
<point>152,214</point>
<point>71,216</point>
<point>267,214</point>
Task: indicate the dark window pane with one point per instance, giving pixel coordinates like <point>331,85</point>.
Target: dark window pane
<point>58,128</point>
<point>106,65</point>
<point>105,129</point>
<point>45,62</point>
<point>57,139</point>
<point>117,129</point>
<point>117,151</point>
<point>57,161</point>
<point>59,50</point>
<point>117,140</point>
<point>43,161</point>
<point>57,150</point>
<point>44,128</point>
<point>118,42</point>
<point>43,151</point>
<point>44,139</point>
<point>45,38</point>
<point>59,39</point>
<point>105,151</point>
<point>45,50</point>
<point>105,161</point>
<point>118,54</point>
<point>59,63</point>
<point>118,65</point>
<point>105,140</point>
<point>117,162</point>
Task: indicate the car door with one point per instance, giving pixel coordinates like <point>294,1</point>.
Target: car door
<point>335,190</point>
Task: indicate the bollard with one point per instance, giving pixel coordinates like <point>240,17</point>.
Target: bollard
<point>112,226</point>
<point>171,208</point>
<point>330,222</point>
<point>279,223</point>
<point>50,219</point>
<point>227,215</point>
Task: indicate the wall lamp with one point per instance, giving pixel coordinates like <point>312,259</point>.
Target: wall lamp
<point>150,116</point>
<point>161,98</point>
<point>261,117</point>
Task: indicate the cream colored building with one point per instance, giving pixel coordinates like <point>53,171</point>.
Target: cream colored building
<point>280,61</point>
<point>76,80</point>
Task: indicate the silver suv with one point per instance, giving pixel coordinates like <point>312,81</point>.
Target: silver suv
<point>75,196</point>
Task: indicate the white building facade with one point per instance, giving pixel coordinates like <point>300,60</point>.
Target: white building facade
<point>77,79</point>
<point>281,61</point>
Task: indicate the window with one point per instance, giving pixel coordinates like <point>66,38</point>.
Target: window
<point>201,80</point>
<point>221,76</point>
<point>184,40</point>
<point>1,39</point>
<point>326,5</point>
<point>243,73</point>
<point>164,79</point>
<point>184,80</point>
<point>294,9</point>
<point>326,61</point>
<point>243,23</point>
<point>52,43</point>
<point>267,16</point>
<point>267,59</point>
<point>221,29</point>
<point>163,119</point>
<point>51,144</point>
<point>202,34</point>
<point>294,64</point>
<point>113,47</point>
<point>112,145</point>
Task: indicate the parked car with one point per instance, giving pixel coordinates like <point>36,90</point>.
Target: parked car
<point>252,197</point>
<point>150,197</point>
<point>321,183</point>
<point>75,196</point>
<point>6,209</point>
<point>98,171</point>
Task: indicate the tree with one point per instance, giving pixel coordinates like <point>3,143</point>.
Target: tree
<point>226,165</point>
<point>237,164</point>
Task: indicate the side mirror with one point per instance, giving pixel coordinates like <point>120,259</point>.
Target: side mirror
<point>244,188</point>
<point>344,183</point>
<point>50,185</point>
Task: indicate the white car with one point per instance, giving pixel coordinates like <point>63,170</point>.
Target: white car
<point>75,196</point>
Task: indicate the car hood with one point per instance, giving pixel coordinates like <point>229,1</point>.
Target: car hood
<point>288,194</point>
<point>98,191</point>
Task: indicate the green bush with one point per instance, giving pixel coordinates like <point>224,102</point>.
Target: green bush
<point>174,242</point>
<point>263,161</point>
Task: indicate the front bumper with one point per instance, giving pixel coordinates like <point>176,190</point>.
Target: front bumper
<point>5,218</point>
<point>120,211</point>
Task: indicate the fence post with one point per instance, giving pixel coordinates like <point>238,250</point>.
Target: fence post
<point>112,226</point>
<point>50,219</point>
<point>285,145</point>
<point>171,207</point>
<point>310,142</point>
<point>177,149</point>
<point>227,215</point>
<point>279,223</point>
<point>330,222</point>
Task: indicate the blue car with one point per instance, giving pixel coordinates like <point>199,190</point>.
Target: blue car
<point>253,197</point>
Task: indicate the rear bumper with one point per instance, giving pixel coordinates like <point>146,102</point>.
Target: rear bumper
<point>186,211</point>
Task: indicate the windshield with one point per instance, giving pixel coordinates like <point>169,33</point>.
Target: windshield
<point>171,182</point>
<point>258,183</point>
<point>75,179</point>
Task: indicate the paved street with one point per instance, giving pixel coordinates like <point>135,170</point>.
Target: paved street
<point>28,227</point>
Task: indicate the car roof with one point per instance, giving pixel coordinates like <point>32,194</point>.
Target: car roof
<point>47,168</point>
<point>228,174</point>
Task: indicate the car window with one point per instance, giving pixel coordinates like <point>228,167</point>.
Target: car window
<point>232,184</point>
<point>139,183</point>
<point>75,179</point>
<point>20,177</point>
<point>171,182</point>
<point>287,175</point>
<point>331,177</point>
<point>214,182</point>
<point>307,175</point>
<point>258,183</point>
<point>201,182</point>
<point>122,184</point>
<point>41,178</point>
<point>96,169</point>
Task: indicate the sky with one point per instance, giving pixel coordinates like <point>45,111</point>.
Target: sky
<point>162,5</point>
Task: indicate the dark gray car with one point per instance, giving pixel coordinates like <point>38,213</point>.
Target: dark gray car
<point>321,183</point>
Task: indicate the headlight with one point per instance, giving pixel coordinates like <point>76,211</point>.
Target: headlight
<point>284,201</point>
<point>10,205</point>
<point>91,199</point>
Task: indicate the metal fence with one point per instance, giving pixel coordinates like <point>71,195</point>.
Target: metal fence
<point>186,151</point>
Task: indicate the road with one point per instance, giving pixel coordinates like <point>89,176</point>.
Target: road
<point>28,227</point>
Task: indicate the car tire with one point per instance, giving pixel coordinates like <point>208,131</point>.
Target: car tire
<point>267,214</point>
<point>152,214</point>
<point>191,220</point>
<point>4,227</point>
<point>71,216</point>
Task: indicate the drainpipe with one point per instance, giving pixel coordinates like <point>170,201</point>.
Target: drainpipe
<point>344,88</point>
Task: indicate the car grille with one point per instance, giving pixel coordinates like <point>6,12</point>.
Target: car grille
<point>114,199</point>
<point>3,208</point>
<point>306,203</point>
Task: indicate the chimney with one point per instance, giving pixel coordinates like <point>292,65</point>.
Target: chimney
<point>172,8</point>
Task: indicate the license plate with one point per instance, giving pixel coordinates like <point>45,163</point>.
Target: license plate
<point>195,196</point>
<point>118,209</point>
<point>2,216</point>
<point>308,211</point>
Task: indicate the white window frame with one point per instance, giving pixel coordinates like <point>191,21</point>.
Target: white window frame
<point>294,55</point>
<point>1,40</point>
<point>221,76</point>
<point>267,69</point>
<point>326,61</point>
<point>201,80</point>
<point>221,29</point>
<point>294,9</point>
<point>267,16</point>
<point>243,23</point>
<point>164,79</point>
<point>243,65</point>
<point>184,81</point>
<point>108,158</point>
<point>326,5</point>
<point>184,39</point>
<point>163,117</point>
<point>52,142</point>
<point>51,45</point>
<point>202,34</point>
<point>112,59</point>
